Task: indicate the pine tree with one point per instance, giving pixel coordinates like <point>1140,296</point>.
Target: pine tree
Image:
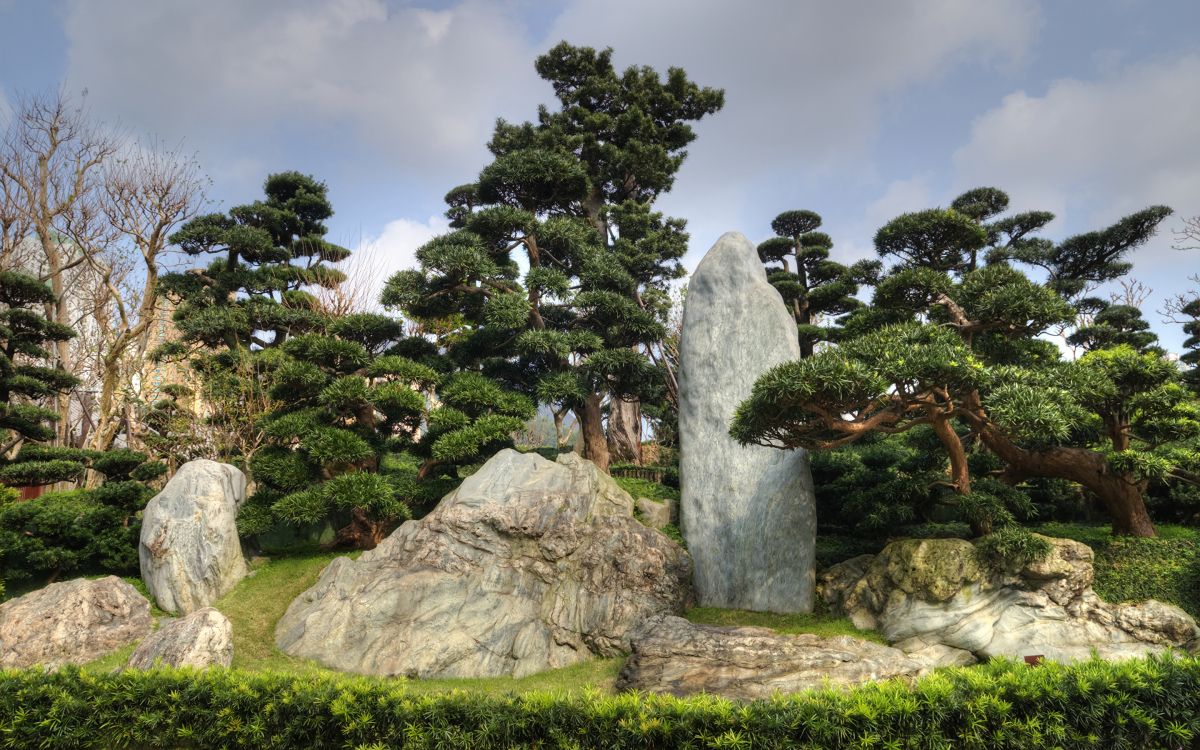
<point>573,193</point>
<point>26,382</point>
<point>951,341</point>
<point>813,287</point>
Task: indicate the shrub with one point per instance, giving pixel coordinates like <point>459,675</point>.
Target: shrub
<point>1152,703</point>
<point>63,533</point>
<point>1011,547</point>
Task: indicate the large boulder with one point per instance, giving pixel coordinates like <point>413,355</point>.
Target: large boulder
<point>924,594</point>
<point>190,553</point>
<point>72,622</point>
<point>672,655</point>
<point>529,565</point>
<point>202,639</point>
<point>747,512</point>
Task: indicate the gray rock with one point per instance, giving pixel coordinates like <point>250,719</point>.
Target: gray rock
<point>190,553</point>
<point>672,655</point>
<point>72,622</point>
<point>654,513</point>
<point>202,639</point>
<point>528,565</point>
<point>747,512</point>
<point>929,593</point>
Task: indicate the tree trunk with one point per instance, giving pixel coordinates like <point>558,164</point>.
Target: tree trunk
<point>595,445</point>
<point>362,532</point>
<point>1120,494</point>
<point>625,431</point>
<point>960,470</point>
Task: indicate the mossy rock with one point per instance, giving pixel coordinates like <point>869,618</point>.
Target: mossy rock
<point>930,569</point>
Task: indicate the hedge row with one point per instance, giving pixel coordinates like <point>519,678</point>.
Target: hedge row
<point>1152,703</point>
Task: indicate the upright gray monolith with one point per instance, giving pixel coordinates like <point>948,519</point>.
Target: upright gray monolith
<point>747,512</point>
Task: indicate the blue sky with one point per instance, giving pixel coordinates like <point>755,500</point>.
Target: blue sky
<point>857,110</point>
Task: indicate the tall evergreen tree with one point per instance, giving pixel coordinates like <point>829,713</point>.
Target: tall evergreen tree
<point>27,382</point>
<point>815,288</point>
<point>573,194</point>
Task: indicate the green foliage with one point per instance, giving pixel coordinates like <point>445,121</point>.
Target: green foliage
<point>572,194</point>
<point>26,380</point>
<point>816,289</point>
<point>952,339</point>
<point>65,533</point>
<point>1011,548</point>
<point>1148,703</point>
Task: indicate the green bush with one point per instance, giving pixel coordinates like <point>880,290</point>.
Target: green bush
<point>1011,547</point>
<point>64,533</point>
<point>1153,703</point>
<point>1166,567</point>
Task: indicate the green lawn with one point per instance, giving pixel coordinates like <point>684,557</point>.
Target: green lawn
<point>818,624</point>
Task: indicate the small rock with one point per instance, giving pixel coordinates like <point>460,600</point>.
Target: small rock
<point>72,622</point>
<point>202,639</point>
<point>654,513</point>
<point>189,551</point>
<point>674,656</point>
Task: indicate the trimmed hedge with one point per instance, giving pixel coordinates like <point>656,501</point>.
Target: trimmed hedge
<point>1153,703</point>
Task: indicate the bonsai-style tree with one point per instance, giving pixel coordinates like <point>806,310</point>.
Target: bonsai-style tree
<point>813,287</point>
<point>572,194</point>
<point>953,343</point>
<point>26,381</point>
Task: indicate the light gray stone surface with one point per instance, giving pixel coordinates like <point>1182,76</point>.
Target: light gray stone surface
<point>189,551</point>
<point>922,594</point>
<point>672,655</point>
<point>202,639</point>
<point>654,513</point>
<point>747,512</point>
<point>72,622</point>
<point>528,565</point>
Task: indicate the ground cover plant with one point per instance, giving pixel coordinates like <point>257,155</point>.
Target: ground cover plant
<point>1139,704</point>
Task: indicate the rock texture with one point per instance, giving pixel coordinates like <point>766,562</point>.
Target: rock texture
<point>202,639</point>
<point>528,565</point>
<point>747,512</point>
<point>927,595</point>
<point>654,513</point>
<point>190,553</point>
<point>72,622</point>
<point>672,655</point>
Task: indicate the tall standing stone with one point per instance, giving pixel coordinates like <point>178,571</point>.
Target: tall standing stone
<point>189,550</point>
<point>747,512</point>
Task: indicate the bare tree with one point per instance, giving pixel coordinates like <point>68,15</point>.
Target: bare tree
<point>50,161</point>
<point>145,195</point>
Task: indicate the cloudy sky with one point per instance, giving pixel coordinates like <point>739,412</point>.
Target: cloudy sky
<point>857,110</point>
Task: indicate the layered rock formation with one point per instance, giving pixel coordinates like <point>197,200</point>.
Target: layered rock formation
<point>925,594</point>
<point>202,639</point>
<point>528,565</point>
<point>189,551</point>
<point>72,622</point>
<point>672,655</point>
<point>747,512</point>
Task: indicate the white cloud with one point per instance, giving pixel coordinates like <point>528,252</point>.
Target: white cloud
<point>422,88</point>
<point>376,258</point>
<point>1092,150</point>
<point>805,79</point>
<point>900,196</point>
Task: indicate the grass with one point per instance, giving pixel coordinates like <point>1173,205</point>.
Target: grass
<point>257,603</point>
<point>824,625</point>
<point>645,488</point>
